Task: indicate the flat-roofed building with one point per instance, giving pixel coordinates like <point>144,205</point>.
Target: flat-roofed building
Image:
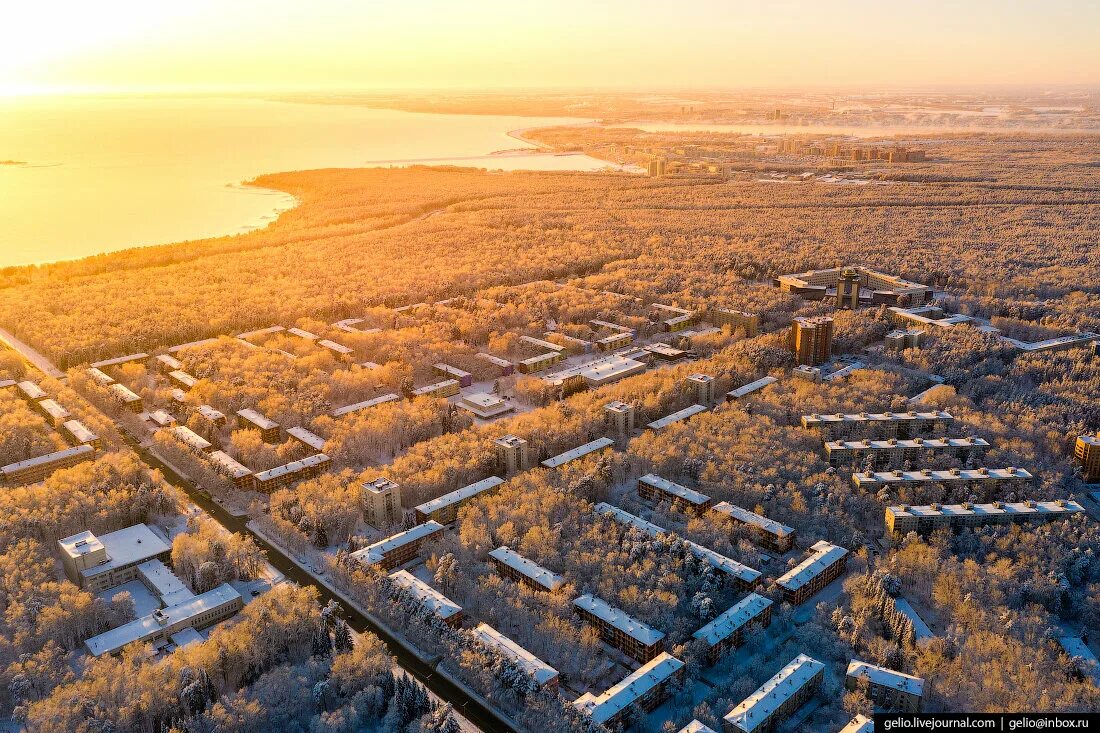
<point>676,417</point>
<point>887,688</point>
<point>30,391</point>
<point>727,630</point>
<point>747,389</point>
<point>80,434</point>
<point>506,367</point>
<point>620,630</point>
<point>191,439</point>
<point>703,384</point>
<point>847,289</point>
<point>665,352</point>
<point>911,424</point>
<point>777,698</point>
<point>237,472</point>
<point>652,487</point>
<point>120,360</point>
<point>260,332</point>
<point>989,477</point>
<point>381,501</point>
<point>182,379</point>
<point>904,338</point>
<point>428,598</point>
<point>770,533</point>
<point>446,388</point>
<point>158,578</point>
<point>157,628</point>
<point>609,371</point>
<point>302,333</point>
<point>617,340</point>
<point>904,519</point>
<point>535,364</point>
<point>167,363</point>
<point>100,377</point>
<point>54,413</point>
<point>445,508</point>
<point>191,345</point>
<point>307,438</point>
<point>895,452</point>
<point>735,319</point>
<point>807,372</point>
<point>282,476</point>
<point>620,418</point>
<point>825,564</point>
<point>98,563</point>
<point>742,575</point>
<point>33,470</point>
<point>212,416</point>
<point>542,674</point>
<point>644,689</point>
<point>579,452</point>
<point>541,344</point>
<point>162,418</point>
<point>882,287</point>
<point>811,340</point>
<point>516,567</point>
<point>249,419</point>
<point>341,352</point>
<point>696,727</point>
<point>1086,450</point>
<point>484,405</point>
<point>859,724</point>
<point>512,454</point>
<point>400,548</point>
<point>465,379</point>
<point>365,404</point>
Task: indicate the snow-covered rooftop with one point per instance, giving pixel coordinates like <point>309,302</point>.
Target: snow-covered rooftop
<point>346,409</point>
<point>756,708</point>
<point>537,573</point>
<point>460,495</point>
<point>124,547</point>
<point>670,487</point>
<point>539,671</point>
<point>823,555</point>
<point>376,553</point>
<point>601,708</point>
<point>884,677</point>
<point>676,417</point>
<point>427,596</point>
<point>733,618</point>
<point>578,452</point>
<point>740,514</point>
<point>632,627</point>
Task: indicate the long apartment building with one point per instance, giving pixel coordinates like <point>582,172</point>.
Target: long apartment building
<point>400,548</point>
<point>675,417</point>
<point>894,452</point>
<point>33,470</point>
<point>652,487</point>
<point>580,451</point>
<point>80,434</point>
<point>542,674</point>
<point>189,438</point>
<point>774,535</point>
<point>887,688</point>
<point>644,689</point>
<point>991,478</point>
<point>98,563</point>
<point>289,473</point>
<point>742,575</point>
<point>126,397</point>
<point>445,509</point>
<point>911,424</point>
<point>620,630</point>
<point>825,564</point>
<point>226,465</point>
<point>428,598</point>
<point>446,388</point>
<point>727,630</point>
<point>249,419</point>
<point>512,565</point>
<point>777,698</point>
<point>750,322</point>
<point>161,625</point>
<point>904,519</point>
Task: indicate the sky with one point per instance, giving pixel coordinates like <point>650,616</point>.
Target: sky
<point>174,45</point>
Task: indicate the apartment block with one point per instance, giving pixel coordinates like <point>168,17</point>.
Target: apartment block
<point>191,439</point>
<point>620,418</point>
<point>237,472</point>
<point>776,699</point>
<point>307,438</point>
<point>290,473</point>
<point>428,598</point>
<point>811,340</point>
<point>904,338</point>
<point>727,630</point>
<point>54,413</point>
<point>249,419</point>
<point>1086,450</point>
<point>98,563</point>
<point>911,424</point>
<point>400,548</point>
<point>825,564</point>
<point>675,417</point>
<point>991,478</point>
<point>904,519</point>
<point>774,535</point>
<point>620,630</point>
<point>579,452</point>
<point>212,416</point>
<point>381,501</point>
<point>887,688</point>
<point>747,389</point>
<point>516,567</point>
<point>512,455</point>
<point>446,388</point>
<point>506,367</point>
<point>445,509</point>
<point>544,676</point>
<point>80,434</point>
<point>652,487</point>
<point>703,386</point>
<point>33,470</point>
<point>894,452</point>
<point>644,689</point>
<point>735,319</point>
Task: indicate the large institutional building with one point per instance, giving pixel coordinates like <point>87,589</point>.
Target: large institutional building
<point>860,285</point>
<point>98,563</point>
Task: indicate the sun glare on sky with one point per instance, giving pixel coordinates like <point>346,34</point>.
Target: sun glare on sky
<point>74,45</point>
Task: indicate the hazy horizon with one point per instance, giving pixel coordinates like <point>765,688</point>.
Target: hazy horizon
<point>66,47</point>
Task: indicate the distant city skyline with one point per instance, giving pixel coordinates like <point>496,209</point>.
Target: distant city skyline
<point>124,45</point>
